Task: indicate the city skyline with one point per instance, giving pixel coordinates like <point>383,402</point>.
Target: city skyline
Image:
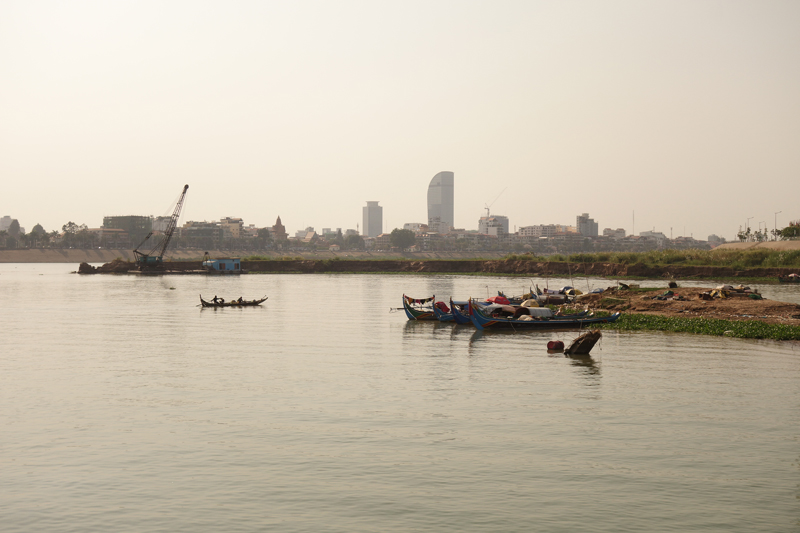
<point>675,111</point>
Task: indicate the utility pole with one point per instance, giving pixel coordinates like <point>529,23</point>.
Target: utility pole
<point>776,224</point>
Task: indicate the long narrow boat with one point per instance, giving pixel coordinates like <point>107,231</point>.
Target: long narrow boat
<point>440,313</point>
<point>456,313</point>
<point>790,278</point>
<point>482,321</point>
<point>460,312</point>
<point>232,303</point>
<point>419,308</point>
<point>460,315</point>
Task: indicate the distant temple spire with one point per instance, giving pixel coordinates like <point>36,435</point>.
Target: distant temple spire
<point>278,231</point>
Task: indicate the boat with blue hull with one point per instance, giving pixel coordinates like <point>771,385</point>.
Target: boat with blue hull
<point>540,318</point>
<point>457,312</point>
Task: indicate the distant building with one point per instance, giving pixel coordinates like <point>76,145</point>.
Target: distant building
<point>5,223</point>
<point>373,219</point>
<point>657,235</point>
<point>231,227</point>
<point>250,231</point>
<point>136,226</point>
<point>440,200</point>
<point>301,234</point>
<point>202,230</point>
<point>160,224</point>
<point>383,241</point>
<point>278,231</point>
<point>416,227</point>
<point>437,226</point>
<point>111,238</point>
<point>586,226</point>
<point>618,233</point>
<point>493,225</point>
<point>715,240</point>
<point>540,230</point>
<point>310,237</point>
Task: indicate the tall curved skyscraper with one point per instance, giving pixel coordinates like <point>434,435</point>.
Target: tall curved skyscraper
<point>440,199</point>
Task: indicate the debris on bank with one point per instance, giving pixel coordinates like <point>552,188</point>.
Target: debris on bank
<point>723,302</point>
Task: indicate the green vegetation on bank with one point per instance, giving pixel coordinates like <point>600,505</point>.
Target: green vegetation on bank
<point>737,259</point>
<point>744,329</point>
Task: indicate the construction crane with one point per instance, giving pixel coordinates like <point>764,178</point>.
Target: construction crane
<point>487,206</point>
<point>155,257</point>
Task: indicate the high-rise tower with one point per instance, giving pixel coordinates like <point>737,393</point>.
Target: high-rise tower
<point>373,220</point>
<point>440,200</point>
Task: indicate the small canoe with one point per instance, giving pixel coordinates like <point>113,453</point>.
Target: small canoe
<point>232,303</point>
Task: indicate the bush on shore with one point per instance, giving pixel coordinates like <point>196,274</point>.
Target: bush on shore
<point>737,259</point>
<point>744,329</point>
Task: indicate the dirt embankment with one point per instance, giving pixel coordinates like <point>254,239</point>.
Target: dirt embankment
<point>737,306</point>
<point>513,267</point>
<point>541,269</point>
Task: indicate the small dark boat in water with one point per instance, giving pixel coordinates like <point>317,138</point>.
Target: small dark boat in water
<point>233,303</point>
<point>791,278</point>
<point>584,344</point>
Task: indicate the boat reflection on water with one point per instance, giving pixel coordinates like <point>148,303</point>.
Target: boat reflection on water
<point>586,362</point>
<point>415,328</point>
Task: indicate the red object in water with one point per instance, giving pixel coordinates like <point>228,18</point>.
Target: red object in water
<point>499,300</point>
<point>555,345</point>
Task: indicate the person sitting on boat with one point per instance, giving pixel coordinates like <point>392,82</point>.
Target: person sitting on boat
<point>239,300</point>
<point>215,299</point>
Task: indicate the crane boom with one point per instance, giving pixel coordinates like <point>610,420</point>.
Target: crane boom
<point>156,255</point>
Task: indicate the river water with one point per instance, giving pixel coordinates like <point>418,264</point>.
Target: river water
<point>124,407</point>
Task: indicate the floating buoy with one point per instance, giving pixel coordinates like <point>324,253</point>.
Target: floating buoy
<point>555,345</point>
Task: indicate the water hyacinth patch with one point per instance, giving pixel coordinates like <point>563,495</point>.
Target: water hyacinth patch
<point>743,329</point>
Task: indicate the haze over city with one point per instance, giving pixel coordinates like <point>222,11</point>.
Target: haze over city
<point>686,113</point>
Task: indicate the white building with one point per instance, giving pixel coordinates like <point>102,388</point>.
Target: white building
<point>493,225</point>
<point>414,226</point>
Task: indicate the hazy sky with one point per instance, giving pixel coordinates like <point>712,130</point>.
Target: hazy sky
<point>686,112</point>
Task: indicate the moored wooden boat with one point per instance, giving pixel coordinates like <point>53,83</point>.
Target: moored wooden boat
<point>232,303</point>
<point>419,308</point>
<point>460,312</point>
<point>482,320</point>
<point>442,312</point>
<point>790,278</point>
